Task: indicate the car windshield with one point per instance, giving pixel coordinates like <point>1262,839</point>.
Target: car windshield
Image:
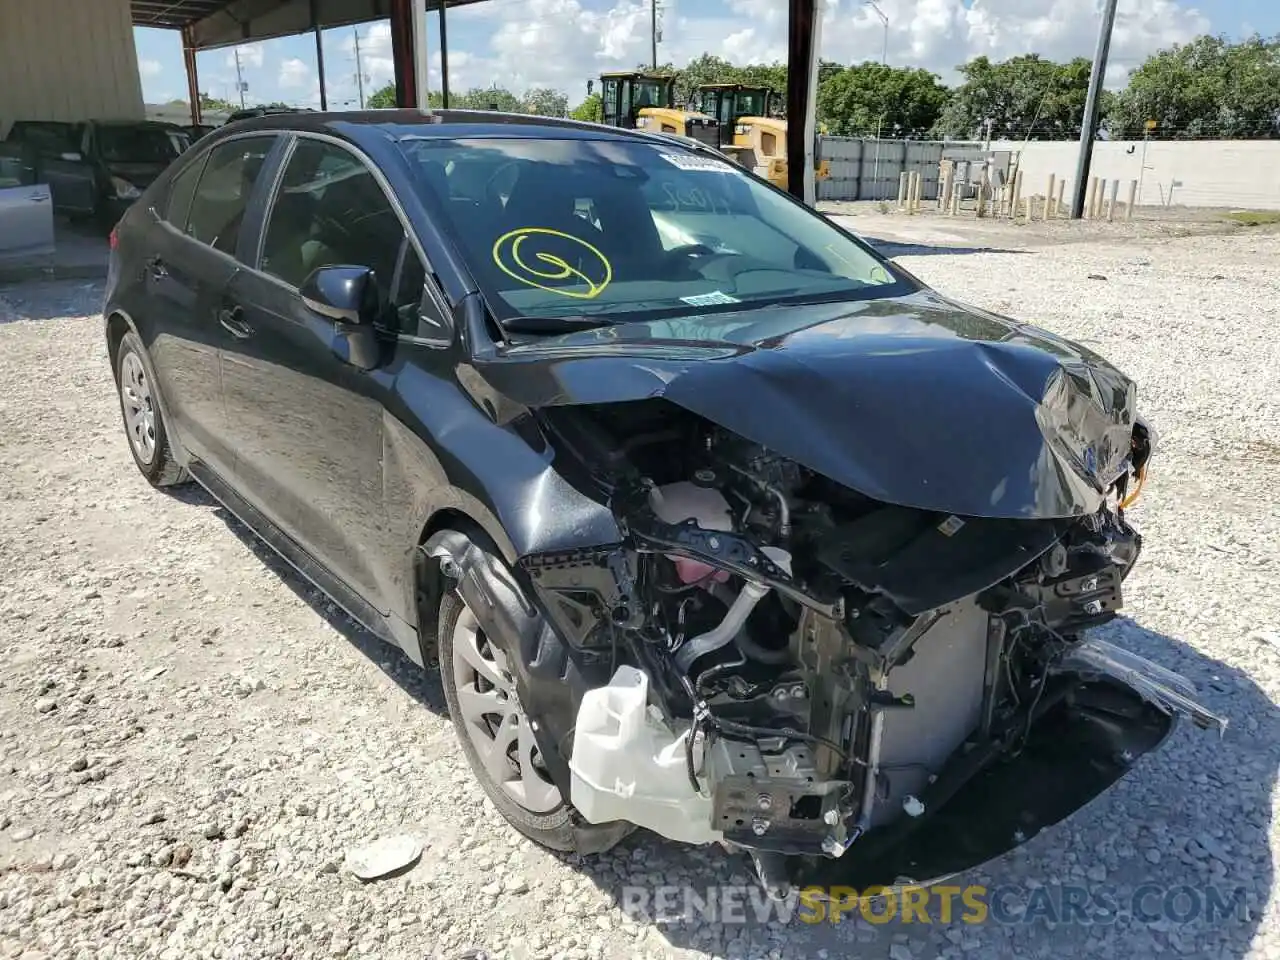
<point>623,230</point>
<point>137,144</point>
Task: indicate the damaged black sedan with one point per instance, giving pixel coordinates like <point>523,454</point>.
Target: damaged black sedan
<point>718,523</point>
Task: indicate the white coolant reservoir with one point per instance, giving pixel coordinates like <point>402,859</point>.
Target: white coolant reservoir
<point>677,502</point>
<point>627,764</point>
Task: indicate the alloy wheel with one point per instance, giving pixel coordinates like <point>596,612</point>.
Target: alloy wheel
<point>139,409</point>
<point>494,720</point>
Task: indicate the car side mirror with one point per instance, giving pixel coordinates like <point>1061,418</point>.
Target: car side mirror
<point>346,294</point>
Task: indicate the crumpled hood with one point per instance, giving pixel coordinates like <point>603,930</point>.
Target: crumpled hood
<point>916,401</point>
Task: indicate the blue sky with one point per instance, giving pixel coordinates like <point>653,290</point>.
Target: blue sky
<point>560,43</point>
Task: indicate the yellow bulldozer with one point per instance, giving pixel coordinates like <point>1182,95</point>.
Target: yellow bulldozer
<point>734,118</point>
<point>646,101</point>
<point>750,130</point>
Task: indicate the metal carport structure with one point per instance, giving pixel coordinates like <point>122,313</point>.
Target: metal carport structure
<point>208,24</point>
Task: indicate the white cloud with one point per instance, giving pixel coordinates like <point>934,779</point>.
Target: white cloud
<point>562,43</point>
<point>295,73</point>
<point>149,68</point>
<point>250,54</point>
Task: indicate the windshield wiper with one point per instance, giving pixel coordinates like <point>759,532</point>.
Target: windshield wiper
<point>554,324</point>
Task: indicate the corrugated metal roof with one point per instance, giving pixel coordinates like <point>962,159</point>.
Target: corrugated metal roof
<point>217,23</point>
<point>173,13</point>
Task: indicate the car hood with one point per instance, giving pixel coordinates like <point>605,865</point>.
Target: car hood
<point>918,401</point>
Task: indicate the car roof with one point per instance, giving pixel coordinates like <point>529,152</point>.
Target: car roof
<point>408,124</point>
<point>164,124</point>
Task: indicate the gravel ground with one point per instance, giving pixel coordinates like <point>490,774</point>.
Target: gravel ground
<point>191,740</point>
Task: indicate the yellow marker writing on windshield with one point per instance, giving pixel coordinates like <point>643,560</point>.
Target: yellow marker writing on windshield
<point>537,268</point>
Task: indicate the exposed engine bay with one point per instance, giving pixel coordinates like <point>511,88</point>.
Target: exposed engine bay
<point>778,663</point>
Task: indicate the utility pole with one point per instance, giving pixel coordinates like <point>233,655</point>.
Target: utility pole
<point>239,78</point>
<point>884,62</point>
<point>653,30</point>
<point>355,31</point>
<point>1090,127</point>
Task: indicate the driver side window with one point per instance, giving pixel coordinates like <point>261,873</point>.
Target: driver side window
<point>330,210</point>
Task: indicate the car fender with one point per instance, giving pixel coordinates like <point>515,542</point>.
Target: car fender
<point>116,314</point>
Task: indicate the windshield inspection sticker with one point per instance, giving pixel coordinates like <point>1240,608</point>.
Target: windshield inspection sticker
<point>709,299</point>
<point>689,161</point>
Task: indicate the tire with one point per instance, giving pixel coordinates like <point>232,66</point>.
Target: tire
<point>558,826</point>
<point>144,424</point>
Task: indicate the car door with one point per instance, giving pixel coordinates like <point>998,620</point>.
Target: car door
<point>62,163</point>
<point>26,210</point>
<point>307,425</point>
<point>191,247</point>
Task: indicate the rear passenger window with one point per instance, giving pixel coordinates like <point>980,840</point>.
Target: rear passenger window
<point>330,211</point>
<point>181,190</point>
<point>218,207</point>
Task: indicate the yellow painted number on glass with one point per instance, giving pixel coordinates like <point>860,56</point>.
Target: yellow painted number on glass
<point>538,268</point>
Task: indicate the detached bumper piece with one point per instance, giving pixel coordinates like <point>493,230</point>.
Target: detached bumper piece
<point>1171,691</point>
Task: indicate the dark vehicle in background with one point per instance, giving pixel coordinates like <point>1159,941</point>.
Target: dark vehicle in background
<point>265,111</point>
<point>95,169</point>
<point>718,522</point>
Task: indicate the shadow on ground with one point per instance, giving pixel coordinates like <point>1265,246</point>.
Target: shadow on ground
<point>422,685</point>
<point>904,248</point>
<point>1174,859</point>
<point>50,300</point>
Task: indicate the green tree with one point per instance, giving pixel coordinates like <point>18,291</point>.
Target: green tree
<point>870,97</point>
<point>591,109</point>
<point>487,98</point>
<point>545,102</point>
<point>1025,96</point>
<point>707,68</point>
<point>382,98</point>
<point>217,104</point>
<point>1206,88</point>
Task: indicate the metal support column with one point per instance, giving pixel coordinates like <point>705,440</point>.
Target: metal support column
<point>803,38</point>
<point>421,64</point>
<point>193,77</point>
<point>444,56</point>
<point>402,52</point>
<point>315,25</point>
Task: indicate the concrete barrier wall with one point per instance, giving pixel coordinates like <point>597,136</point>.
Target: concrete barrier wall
<point>1208,173</point>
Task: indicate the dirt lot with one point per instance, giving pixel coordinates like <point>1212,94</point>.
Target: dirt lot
<point>191,739</point>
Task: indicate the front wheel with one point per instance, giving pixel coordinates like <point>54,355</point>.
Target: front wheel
<point>498,739</point>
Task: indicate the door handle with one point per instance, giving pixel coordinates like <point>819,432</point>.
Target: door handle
<point>40,198</point>
<point>232,320</point>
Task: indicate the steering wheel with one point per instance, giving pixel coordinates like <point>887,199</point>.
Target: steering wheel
<point>490,194</point>
<point>689,250</point>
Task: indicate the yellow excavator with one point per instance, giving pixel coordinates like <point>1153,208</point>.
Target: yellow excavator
<point>646,101</point>
<point>749,129</point>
